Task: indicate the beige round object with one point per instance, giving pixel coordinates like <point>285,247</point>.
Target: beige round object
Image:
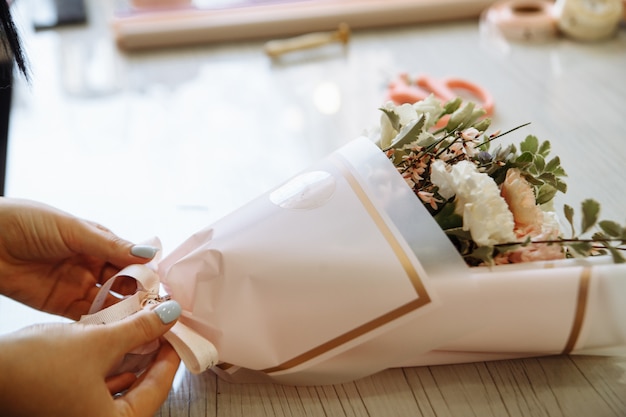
<point>589,20</point>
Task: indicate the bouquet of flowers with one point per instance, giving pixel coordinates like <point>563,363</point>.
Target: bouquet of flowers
<point>426,243</point>
<point>495,205</point>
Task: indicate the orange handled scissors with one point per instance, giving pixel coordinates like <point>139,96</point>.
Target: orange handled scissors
<point>404,90</point>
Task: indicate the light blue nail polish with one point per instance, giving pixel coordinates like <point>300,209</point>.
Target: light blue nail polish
<point>144,251</point>
<point>168,311</point>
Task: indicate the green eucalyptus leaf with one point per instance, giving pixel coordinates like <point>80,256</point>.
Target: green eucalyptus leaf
<point>618,258</point>
<point>559,172</point>
<point>553,164</point>
<point>544,148</point>
<point>548,178</point>
<point>540,163</point>
<point>485,144</point>
<point>561,186</point>
<point>590,212</point>
<point>530,144</point>
<point>459,117</point>
<point>452,105</point>
<point>397,156</point>
<point>483,125</point>
<point>599,237</point>
<point>476,114</point>
<point>545,194</point>
<point>447,218</point>
<point>581,248</point>
<point>524,157</point>
<point>393,117</point>
<point>611,228</point>
<point>408,133</point>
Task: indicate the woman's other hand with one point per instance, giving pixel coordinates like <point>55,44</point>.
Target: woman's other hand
<point>54,262</point>
<point>62,369</point>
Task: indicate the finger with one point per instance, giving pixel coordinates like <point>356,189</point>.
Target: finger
<point>94,240</point>
<point>120,383</point>
<point>142,327</point>
<point>151,389</point>
<point>76,309</point>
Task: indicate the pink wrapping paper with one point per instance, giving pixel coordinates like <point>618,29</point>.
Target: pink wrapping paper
<point>341,272</point>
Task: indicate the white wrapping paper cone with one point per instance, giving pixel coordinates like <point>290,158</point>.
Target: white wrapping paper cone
<point>341,272</point>
<point>301,282</point>
<point>537,309</point>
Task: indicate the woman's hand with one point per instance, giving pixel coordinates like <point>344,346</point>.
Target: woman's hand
<point>61,369</point>
<point>53,261</point>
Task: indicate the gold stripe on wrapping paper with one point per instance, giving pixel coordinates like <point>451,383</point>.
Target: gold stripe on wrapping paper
<point>581,308</point>
<point>422,299</point>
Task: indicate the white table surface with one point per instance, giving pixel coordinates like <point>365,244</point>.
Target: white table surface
<point>163,143</point>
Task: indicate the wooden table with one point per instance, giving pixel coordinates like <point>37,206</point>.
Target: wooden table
<point>549,386</point>
<point>164,143</point>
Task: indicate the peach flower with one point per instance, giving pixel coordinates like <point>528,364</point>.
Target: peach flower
<point>537,251</point>
<point>520,198</point>
<point>530,221</point>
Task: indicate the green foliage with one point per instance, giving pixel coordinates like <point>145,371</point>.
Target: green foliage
<point>609,237</point>
<point>447,218</point>
<point>464,117</point>
<point>545,176</point>
<point>408,133</point>
<point>591,211</point>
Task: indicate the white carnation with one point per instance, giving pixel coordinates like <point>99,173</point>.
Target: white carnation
<point>443,179</point>
<point>485,213</point>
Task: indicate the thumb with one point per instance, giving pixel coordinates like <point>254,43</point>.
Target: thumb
<point>143,326</point>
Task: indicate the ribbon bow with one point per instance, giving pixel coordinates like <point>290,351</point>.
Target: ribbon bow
<point>197,353</point>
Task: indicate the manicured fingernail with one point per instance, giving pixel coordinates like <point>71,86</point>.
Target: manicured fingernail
<point>144,251</point>
<point>168,311</point>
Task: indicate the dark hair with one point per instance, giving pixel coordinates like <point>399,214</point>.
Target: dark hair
<point>10,38</point>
